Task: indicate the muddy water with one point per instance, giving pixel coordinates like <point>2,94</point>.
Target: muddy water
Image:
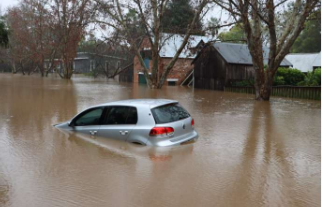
<point>249,153</point>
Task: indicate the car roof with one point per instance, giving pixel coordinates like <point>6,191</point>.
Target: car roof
<point>152,103</point>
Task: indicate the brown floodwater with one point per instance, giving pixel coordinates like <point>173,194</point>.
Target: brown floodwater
<point>249,153</point>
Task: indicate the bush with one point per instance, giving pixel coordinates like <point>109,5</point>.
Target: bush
<point>312,79</point>
<point>279,80</point>
<point>317,74</point>
<point>288,76</point>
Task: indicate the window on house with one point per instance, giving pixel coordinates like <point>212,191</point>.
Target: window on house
<point>172,82</point>
<point>146,61</point>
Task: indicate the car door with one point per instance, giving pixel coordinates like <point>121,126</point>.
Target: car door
<point>88,122</point>
<point>119,122</point>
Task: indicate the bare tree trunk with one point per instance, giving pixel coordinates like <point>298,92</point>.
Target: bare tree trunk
<point>67,69</point>
<point>14,70</point>
<point>22,68</point>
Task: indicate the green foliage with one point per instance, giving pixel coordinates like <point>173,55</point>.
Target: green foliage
<point>279,80</point>
<point>317,74</point>
<point>235,34</point>
<point>288,76</point>
<point>213,25</point>
<point>135,25</point>
<point>3,34</point>
<point>310,38</point>
<point>177,16</point>
<point>312,79</point>
<point>247,83</point>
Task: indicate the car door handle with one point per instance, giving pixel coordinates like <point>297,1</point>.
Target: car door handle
<point>93,132</point>
<point>123,132</point>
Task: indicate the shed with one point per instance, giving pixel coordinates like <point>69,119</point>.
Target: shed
<point>220,64</point>
<point>305,62</point>
<point>126,74</point>
<point>86,62</point>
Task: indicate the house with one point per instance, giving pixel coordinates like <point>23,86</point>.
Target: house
<point>86,62</point>
<point>221,64</point>
<point>168,49</point>
<point>305,62</point>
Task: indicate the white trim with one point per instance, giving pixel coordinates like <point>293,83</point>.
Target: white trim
<point>141,73</point>
<point>172,79</point>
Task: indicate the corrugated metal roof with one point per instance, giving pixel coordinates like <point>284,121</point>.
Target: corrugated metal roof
<point>171,43</point>
<point>305,61</point>
<point>239,53</point>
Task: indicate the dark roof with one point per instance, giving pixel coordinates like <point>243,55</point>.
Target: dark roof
<point>239,53</point>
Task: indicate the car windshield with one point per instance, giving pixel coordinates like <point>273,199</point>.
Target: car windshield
<point>169,113</point>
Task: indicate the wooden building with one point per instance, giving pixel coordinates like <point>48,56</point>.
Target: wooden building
<point>86,62</point>
<point>126,74</point>
<point>221,64</point>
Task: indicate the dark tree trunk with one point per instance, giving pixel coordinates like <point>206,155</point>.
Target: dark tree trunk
<point>264,90</point>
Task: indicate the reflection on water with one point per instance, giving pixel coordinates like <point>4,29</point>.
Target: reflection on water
<point>248,154</point>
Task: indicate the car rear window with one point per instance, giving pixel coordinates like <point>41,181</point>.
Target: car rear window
<point>169,113</point>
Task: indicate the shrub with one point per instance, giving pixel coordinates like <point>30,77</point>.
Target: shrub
<point>311,79</point>
<point>288,76</point>
<point>279,80</point>
<point>317,74</point>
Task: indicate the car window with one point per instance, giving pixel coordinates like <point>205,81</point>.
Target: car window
<point>132,117</point>
<point>169,113</point>
<point>121,115</point>
<point>90,117</point>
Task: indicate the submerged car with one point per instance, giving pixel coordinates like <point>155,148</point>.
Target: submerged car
<point>153,122</point>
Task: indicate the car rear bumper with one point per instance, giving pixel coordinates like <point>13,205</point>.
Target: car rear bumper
<point>175,140</point>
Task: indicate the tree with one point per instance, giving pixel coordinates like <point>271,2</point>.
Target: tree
<point>3,34</point>
<point>310,38</point>
<point>312,78</point>
<point>235,34</point>
<point>70,19</point>
<point>257,16</point>
<point>179,15</point>
<point>31,39</point>
<point>151,14</point>
<point>98,49</point>
<point>213,26</point>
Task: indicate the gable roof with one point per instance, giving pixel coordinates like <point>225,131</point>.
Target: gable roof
<point>305,61</point>
<point>236,53</point>
<point>171,43</point>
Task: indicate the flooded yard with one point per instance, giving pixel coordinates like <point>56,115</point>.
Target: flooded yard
<point>249,153</point>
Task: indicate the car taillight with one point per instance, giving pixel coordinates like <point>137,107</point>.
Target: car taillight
<point>192,122</point>
<point>161,131</point>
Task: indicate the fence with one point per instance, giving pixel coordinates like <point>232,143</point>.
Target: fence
<point>305,92</point>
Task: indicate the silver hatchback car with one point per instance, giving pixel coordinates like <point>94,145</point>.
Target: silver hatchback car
<point>154,122</point>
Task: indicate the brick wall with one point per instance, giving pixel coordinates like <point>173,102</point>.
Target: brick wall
<point>179,70</point>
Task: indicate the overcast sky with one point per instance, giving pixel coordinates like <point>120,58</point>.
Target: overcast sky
<point>214,12</point>
<point>4,4</point>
